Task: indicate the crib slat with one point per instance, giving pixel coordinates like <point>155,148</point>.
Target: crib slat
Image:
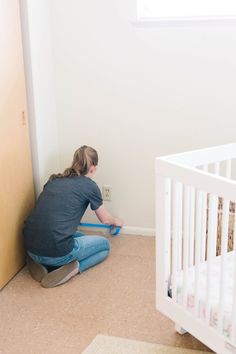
<point>191,226</point>
<point>233,319</point>
<point>234,234</point>
<point>174,255</point>
<point>203,229</point>
<point>203,219</point>
<point>217,168</point>
<point>228,168</point>
<point>167,226</point>
<point>186,244</point>
<point>211,248</point>
<point>180,226</point>
<point>162,235</point>
<point>197,250</point>
<point>224,245</point>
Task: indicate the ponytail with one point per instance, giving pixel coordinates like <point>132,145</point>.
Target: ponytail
<point>83,159</point>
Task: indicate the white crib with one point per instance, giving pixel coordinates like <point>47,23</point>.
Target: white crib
<point>195,273</point>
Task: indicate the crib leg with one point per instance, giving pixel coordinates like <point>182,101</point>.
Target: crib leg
<point>179,329</point>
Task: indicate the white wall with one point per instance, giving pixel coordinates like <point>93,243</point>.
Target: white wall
<point>37,45</point>
<point>133,93</point>
<point>139,92</point>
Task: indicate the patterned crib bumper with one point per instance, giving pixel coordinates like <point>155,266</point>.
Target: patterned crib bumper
<point>214,295</point>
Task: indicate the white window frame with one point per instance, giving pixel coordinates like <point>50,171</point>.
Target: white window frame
<point>178,18</point>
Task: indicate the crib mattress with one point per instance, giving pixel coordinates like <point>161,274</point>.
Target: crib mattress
<point>214,291</point>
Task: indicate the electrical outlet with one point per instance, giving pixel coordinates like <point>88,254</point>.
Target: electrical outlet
<point>106,193</point>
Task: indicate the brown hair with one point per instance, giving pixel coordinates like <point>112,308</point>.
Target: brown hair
<point>83,159</point>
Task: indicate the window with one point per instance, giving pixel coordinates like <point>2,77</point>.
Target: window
<point>185,9</point>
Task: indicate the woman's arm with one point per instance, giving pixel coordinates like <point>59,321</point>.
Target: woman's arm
<point>106,218</point>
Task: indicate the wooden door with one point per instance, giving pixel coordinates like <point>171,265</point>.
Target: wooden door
<point>16,185</point>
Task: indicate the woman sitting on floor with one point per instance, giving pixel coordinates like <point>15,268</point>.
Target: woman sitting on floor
<point>56,252</point>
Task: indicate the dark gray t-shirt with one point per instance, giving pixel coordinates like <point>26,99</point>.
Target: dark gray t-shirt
<point>49,229</point>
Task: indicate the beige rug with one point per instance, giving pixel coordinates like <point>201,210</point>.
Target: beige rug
<point>115,345</point>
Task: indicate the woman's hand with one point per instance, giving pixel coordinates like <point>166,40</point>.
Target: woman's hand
<point>118,222</point>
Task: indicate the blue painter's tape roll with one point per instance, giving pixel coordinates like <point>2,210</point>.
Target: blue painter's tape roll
<point>114,230</point>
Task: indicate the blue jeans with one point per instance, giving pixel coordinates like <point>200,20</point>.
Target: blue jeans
<point>88,251</point>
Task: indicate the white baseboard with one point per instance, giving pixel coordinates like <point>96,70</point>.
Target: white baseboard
<point>137,231</point>
<point>126,230</point>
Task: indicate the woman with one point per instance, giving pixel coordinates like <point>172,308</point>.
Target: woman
<point>56,252</point>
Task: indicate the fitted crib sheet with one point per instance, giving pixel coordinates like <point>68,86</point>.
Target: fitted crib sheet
<point>214,291</point>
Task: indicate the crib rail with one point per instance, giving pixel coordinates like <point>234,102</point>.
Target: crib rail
<point>194,198</point>
<point>204,156</point>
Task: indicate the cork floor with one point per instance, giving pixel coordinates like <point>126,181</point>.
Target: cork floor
<point>116,298</point>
